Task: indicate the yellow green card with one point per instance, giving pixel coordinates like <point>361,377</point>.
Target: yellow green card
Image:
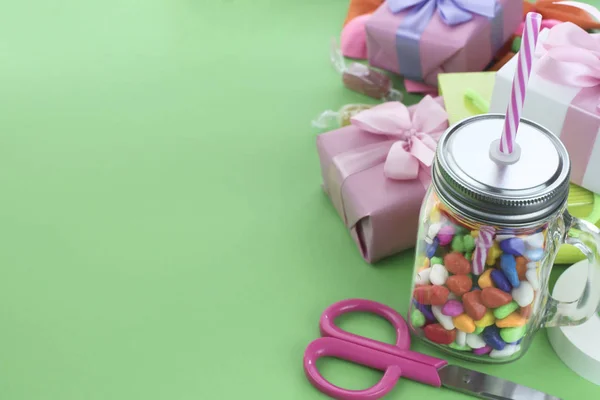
<point>466,93</point>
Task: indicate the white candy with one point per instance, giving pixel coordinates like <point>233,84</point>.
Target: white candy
<point>444,320</point>
<point>423,277</point>
<point>535,241</point>
<point>507,351</point>
<point>428,240</point>
<point>524,294</point>
<point>532,278</point>
<point>534,254</point>
<point>433,230</point>
<point>500,238</point>
<point>475,341</point>
<point>461,338</point>
<point>438,275</point>
<point>532,264</point>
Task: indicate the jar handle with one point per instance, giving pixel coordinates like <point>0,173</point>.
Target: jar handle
<point>586,237</point>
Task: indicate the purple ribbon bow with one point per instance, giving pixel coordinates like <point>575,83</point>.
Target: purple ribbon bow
<point>452,12</point>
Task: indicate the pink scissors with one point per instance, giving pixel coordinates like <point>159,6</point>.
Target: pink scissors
<point>397,361</point>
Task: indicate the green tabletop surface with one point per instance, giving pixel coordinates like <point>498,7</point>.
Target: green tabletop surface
<point>163,230</point>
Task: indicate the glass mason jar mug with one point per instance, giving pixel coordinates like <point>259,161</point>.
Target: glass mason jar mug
<point>489,232</point>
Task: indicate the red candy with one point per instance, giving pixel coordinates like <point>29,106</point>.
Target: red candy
<point>493,298</point>
<point>459,284</point>
<point>437,334</point>
<point>433,295</point>
<point>473,305</point>
<point>457,263</point>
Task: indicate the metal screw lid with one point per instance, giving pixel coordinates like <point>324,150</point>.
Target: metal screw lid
<point>520,194</point>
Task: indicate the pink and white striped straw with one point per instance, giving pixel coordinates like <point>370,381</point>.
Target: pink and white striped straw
<point>533,21</point>
<point>484,241</point>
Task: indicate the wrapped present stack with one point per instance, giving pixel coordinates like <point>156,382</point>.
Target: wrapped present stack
<point>376,159</point>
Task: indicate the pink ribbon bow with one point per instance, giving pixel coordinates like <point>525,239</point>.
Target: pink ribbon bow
<point>570,56</point>
<point>416,135</point>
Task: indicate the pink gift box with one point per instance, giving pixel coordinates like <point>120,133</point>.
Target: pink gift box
<point>405,43</point>
<point>380,213</point>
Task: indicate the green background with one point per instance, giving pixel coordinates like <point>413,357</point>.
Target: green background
<point>163,233</point>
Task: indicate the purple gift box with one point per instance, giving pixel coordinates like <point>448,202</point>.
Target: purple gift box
<point>376,172</point>
<point>421,38</point>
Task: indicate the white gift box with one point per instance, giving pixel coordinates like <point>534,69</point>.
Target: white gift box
<point>557,108</point>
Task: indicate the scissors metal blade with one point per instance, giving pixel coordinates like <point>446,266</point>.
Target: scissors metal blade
<point>486,386</point>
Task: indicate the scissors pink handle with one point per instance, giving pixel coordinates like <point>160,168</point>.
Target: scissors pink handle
<point>396,360</point>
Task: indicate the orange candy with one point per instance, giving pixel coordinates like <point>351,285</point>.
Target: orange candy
<point>521,268</point>
<point>514,320</point>
<point>485,280</point>
<point>464,323</point>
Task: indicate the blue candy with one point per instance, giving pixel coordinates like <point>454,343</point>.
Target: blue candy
<point>514,246</point>
<point>491,337</point>
<point>517,342</point>
<point>500,281</point>
<point>426,310</point>
<point>432,247</point>
<point>535,254</point>
<point>509,267</point>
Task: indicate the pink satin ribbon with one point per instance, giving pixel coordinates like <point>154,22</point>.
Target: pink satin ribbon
<point>570,56</point>
<point>407,148</point>
<point>414,138</point>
